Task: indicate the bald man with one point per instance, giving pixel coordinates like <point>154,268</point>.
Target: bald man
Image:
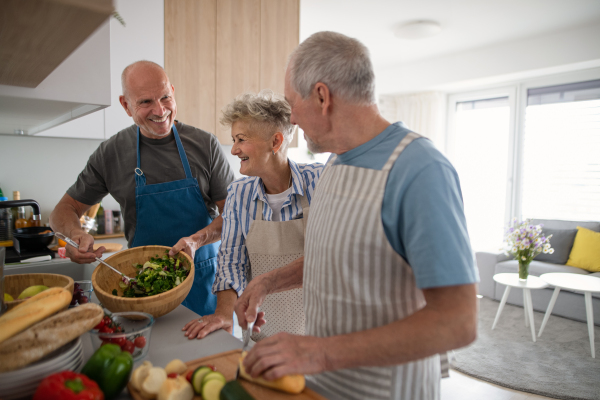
<point>170,180</point>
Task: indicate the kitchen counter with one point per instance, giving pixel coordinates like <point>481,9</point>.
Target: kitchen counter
<point>167,342</point>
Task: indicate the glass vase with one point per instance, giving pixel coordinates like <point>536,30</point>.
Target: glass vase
<point>524,269</point>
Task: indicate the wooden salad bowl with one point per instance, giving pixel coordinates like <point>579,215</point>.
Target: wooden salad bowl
<point>105,280</point>
<point>15,284</point>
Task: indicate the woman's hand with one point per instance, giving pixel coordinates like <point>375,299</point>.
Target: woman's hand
<point>199,328</point>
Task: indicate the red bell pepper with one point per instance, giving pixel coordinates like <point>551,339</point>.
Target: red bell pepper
<point>68,385</point>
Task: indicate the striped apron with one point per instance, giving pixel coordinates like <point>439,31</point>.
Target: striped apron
<point>354,280</point>
<point>274,244</point>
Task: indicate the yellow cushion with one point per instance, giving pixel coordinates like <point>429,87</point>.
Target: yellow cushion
<point>585,253</point>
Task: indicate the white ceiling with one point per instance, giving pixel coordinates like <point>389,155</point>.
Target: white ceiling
<point>466,24</point>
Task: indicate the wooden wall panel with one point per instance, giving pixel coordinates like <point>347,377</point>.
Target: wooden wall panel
<point>238,54</point>
<point>190,59</point>
<point>279,36</point>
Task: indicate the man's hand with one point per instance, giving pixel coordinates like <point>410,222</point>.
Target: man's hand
<point>285,354</point>
<point>246,307</point>
<point>85,254</point>
<point>199,328</point>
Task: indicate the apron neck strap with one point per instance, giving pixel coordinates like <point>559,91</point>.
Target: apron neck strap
<point>410,136</point>
<point>259,210</point>
<point>140,178</point>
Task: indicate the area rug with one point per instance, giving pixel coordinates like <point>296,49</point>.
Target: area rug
<point>558,365</point>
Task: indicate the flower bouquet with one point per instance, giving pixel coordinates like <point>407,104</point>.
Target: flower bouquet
<point>525,241</point>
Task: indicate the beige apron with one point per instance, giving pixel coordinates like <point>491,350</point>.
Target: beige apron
<point>272,245</point>
<point>354,280</point>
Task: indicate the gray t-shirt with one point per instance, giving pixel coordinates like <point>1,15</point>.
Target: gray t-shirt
<point>110,169</point>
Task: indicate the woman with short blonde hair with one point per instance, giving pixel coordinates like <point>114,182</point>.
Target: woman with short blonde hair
<point>264,217</point>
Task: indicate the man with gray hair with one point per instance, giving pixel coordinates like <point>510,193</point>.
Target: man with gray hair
<point>169,178</point>
<point>388,277</point>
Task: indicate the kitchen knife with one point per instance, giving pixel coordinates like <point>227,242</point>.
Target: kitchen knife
<point>246,335</point>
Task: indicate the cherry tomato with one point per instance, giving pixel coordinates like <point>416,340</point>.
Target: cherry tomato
<point>119,340</point>
<point>118,329</point>
<point>107,320</point>
<point>106,329</point>
<point>140,342</point>
<point>172,375</point>
<point>128,346</point>
<point>211,367</point>
<point>100,324</point>
<point>189,374</point>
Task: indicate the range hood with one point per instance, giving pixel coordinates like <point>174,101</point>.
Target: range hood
<point>53,67</point>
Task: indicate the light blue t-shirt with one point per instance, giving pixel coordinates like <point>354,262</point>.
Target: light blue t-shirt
<point>422,212</point>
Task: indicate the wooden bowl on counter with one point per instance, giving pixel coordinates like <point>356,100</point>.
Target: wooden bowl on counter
<point>15,284</point>
<point>105,280</point>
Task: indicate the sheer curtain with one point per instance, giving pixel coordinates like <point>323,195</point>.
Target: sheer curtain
<point>423,113</point>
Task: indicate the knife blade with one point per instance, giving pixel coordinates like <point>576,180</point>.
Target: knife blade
<point>246,336</point>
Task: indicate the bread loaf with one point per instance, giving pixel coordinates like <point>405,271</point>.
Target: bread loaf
<point>33,310</point>
<point>48,335</point>
<point>290,383</point>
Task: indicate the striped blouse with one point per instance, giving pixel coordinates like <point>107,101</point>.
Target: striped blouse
<point>240,211</point>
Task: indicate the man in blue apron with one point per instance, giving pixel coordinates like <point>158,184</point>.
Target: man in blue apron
<point>170,180</point>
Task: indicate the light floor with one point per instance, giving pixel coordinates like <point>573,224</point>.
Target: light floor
<point>463,387</point>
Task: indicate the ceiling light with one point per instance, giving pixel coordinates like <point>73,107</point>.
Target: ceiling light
<point>417,30</point>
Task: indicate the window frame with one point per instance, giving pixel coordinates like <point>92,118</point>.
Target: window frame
<point>517,98</point>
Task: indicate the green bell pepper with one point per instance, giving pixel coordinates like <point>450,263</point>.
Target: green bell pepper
<point>110,368</point>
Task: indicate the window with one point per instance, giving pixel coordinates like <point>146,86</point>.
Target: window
<point>561,152</point>
<point>479,152</point>
<point>530,150</point>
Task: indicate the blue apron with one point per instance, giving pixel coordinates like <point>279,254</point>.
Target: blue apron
<point>168,211</point>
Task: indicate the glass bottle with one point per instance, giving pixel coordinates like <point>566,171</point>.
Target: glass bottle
<point>100,220</point>
<point>21,222</point>
<point>34,222</point>
<point>19,213</point>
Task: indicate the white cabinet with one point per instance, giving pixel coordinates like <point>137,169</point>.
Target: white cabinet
<point>142,38</point>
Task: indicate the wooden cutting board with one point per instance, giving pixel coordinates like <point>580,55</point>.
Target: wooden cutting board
<point>226,363</point>
<point>110,247</point>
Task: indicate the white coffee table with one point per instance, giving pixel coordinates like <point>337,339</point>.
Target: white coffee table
<point>512,280</point>
<point>579,283</point>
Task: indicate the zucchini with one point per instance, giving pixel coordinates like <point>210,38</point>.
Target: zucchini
<point>197,378</point>
<point>212,389</point>
<point>213,376</point>
<point>233,390</point>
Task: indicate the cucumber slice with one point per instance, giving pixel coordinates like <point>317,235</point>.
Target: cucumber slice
<point>213,376</point>
<point>233,390</point>
<point>212,389</point>
<point>197,378</point>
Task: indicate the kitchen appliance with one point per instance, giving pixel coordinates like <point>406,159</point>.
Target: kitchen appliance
<point>28,243</point>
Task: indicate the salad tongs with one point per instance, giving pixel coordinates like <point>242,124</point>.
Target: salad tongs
<point>72,243</point>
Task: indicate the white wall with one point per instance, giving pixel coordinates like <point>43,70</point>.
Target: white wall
<point>44,168</point>
<point>563,51</point>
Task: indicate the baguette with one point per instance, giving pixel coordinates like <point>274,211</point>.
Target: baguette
<point>33,310</point>
<point>48,335</point>
<point>290,383</point>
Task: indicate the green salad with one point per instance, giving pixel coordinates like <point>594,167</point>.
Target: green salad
<point>156,276</point>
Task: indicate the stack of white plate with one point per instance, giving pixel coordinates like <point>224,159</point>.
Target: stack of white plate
<point>23,382</point>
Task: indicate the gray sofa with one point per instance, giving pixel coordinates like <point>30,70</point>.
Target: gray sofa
<point>568,304</point>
